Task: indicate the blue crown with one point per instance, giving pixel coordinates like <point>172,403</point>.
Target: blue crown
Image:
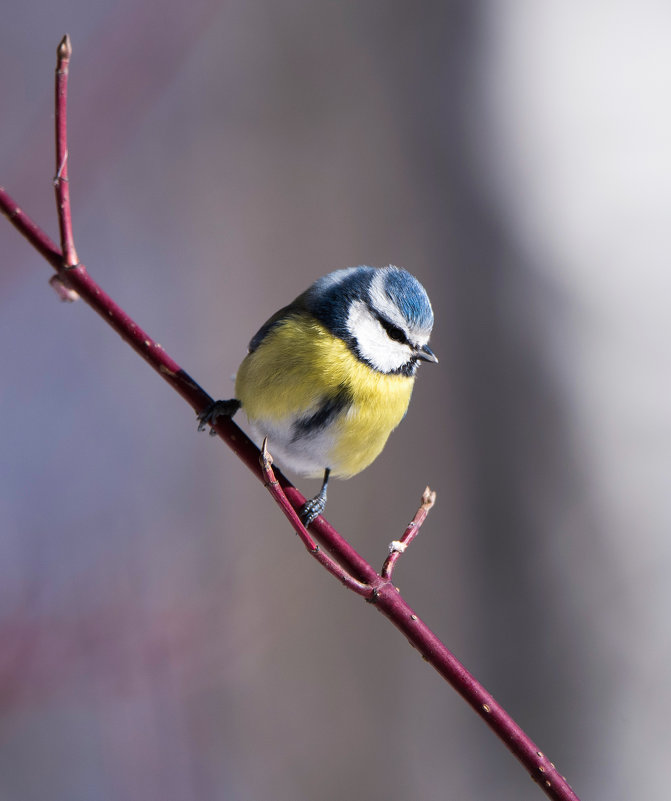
<point>409,295</point>
<point>330,297</point>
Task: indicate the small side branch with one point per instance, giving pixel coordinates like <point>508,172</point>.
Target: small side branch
<point>61,182</point>
<point>397,547</point>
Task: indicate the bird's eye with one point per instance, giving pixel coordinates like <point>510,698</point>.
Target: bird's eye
<point>393,331</point>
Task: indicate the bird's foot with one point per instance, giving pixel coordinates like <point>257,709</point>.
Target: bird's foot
<point>220,408</point>
<point>312,509</point>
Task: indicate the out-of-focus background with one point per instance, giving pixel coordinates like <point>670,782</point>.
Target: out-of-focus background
<point>163,635</point>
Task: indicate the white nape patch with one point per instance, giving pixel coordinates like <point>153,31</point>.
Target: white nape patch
<point>390,311</point>
<point>331,279</point>
<point>385,354</point>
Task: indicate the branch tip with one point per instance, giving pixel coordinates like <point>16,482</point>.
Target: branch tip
<point>64,48</point>
<point>265,458</point>
<point>428,498</point>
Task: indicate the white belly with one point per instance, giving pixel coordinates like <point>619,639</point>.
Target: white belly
<point>308,455</point>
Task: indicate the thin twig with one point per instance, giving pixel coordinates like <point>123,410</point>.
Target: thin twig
<point>397,547</point>
<point>379,590</point>
<point>335,569</point>
<point>61,182</point>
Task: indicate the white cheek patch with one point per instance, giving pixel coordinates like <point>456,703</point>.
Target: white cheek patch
<point>373,342</point>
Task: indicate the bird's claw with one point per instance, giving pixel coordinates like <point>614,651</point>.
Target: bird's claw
<point>217,409</point>
<point>312,509</point>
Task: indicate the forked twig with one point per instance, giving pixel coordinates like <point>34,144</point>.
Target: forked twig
<point>333,567</point>
<point>343,562</point>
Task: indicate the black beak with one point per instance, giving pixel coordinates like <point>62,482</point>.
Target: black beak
<point>426,354</point>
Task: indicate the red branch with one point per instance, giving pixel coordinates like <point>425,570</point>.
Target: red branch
<point>344,562</point>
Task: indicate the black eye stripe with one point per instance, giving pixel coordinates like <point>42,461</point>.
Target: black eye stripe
<point>393,331</point>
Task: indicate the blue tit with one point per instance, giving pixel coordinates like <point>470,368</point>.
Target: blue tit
<point>329,377</point>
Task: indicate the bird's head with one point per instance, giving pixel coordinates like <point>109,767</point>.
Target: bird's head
<point>384,315</point>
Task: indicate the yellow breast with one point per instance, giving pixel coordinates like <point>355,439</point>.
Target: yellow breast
<point>297,367</point>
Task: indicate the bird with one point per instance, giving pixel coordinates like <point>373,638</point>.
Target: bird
<point>329,377</point>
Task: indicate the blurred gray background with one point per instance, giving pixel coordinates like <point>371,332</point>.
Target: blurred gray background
<point>163,633</point>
